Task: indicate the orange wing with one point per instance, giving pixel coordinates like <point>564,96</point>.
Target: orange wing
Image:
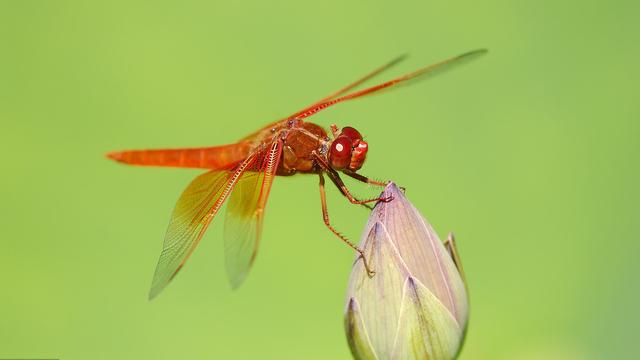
<point>245,215</point>
<point>193,213</point>
<point>420,73</point>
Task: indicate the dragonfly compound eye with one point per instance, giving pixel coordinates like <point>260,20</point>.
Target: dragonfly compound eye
<point>340,152</point>
<point>352,133</point>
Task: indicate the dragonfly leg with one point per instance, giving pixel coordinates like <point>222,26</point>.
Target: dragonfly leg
<point>325,217</point>
<point>450,245</point>
<point>368,180</point>
<point>335,178</point>
<point>365,179</point>
<point>343,188</point>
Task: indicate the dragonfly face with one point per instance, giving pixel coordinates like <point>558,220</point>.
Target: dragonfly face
<point>348,150</point>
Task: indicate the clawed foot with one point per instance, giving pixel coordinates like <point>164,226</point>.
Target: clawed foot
<point>402,188</point>
<point>371,273</point>
<point>383,199</point>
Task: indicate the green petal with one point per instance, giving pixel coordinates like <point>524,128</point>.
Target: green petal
<point>427,330</point>
<point>356,333</point>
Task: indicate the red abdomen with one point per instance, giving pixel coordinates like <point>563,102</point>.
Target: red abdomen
<point>216,157</point>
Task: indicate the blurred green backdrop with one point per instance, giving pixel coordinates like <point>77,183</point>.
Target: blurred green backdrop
<point>529,154</point>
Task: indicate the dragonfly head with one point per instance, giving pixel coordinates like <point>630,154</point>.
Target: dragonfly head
<point>348,150</point>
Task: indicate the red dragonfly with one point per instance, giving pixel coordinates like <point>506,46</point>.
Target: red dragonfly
<point>243,173</point>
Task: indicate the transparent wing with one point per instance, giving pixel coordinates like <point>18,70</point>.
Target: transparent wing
<point>405,79</point>
<point>195,209</point>
<point>362,80</point>
<point>344,90</point>
<point>339,96</point>
<point>245,214</point>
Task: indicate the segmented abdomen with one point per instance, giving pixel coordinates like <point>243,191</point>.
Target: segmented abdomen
<point>216,157</point>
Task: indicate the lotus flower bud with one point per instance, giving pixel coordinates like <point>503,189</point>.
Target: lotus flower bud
<point>415,306</point>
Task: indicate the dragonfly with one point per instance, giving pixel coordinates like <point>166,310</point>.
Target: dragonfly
<point>241,174</point>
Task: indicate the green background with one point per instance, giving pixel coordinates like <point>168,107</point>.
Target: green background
<point>529,154</point>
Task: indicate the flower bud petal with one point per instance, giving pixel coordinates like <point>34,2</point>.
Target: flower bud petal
<point>357,334</point>
<point>415,307</point>
<point>426,325</point>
